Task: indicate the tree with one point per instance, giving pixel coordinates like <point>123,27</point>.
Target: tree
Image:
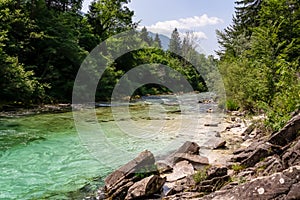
<point>259,61</point>
<point>157,41</point>
<point>17,31</point>
<point>175,42</point>
<point>64,5</point>
<point>145,36</point>
<point>109,17</point>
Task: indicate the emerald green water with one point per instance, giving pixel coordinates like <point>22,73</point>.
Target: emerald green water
<point>44,157</point>
<point>41,156</point>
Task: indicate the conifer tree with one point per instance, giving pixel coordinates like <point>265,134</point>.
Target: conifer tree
<point>175,42</point>
<point>145,36</point>
<point>157,40</point>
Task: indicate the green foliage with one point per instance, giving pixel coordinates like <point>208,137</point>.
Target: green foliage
<point>200,175</point>
<point>259,63</point>
<point>109,17</point>
<point>157,41</point>
<point>237,167</point>
<point>43,43</point>
<point>231,105</point>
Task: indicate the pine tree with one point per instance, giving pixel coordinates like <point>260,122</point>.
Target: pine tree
<point>145,36</point>
<point>157,40</point>
<point>175,42</point>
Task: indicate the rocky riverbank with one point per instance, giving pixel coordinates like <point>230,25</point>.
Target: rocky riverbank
<point>21,110</point>
<point>263,167</point>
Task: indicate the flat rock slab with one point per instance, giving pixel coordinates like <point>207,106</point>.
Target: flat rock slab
<point>187,147</point>
<point>215,143</point>
<point>196,160</point>
<point>180,170</point>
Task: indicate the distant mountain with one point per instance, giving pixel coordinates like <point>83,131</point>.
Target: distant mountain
<point>165,40</point>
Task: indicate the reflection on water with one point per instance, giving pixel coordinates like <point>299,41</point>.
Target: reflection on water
<point>42,156</point>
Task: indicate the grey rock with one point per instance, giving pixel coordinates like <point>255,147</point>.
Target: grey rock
<point>117,183</point>
<point>216,171</point>
<point>211,124</point>
<point>163,167</point>
<point>187,147</point>
<point>283,185</point>
<point>184,195</point>
<point>213,184</point>
<point>249,130</point>
<point>270,165</point>
<point>145,187</point>
<point>288,133</point>
<point>180,170</point>
<point>197,161</point>
<point>292,155</point>
<point>215,143</point>
<point>181,185</point>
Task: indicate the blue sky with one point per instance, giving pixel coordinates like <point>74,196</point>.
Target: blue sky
<point>202,17</point>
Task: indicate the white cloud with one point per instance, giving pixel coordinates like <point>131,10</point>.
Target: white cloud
<point>198,35</point>
<point>185,24</point>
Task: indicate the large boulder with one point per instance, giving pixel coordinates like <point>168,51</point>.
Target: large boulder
<point>197,161</point>
<point>118,182</point>
<point>288,133</point>
<point>145,187</point>
<point>283,185</point>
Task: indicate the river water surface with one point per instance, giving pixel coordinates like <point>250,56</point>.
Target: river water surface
<point>44,156</point>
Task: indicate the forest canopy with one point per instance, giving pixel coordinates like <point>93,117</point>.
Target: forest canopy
<point>44,42</point>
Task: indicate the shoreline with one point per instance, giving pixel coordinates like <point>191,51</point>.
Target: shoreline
<point>231,131</point>
<point>14,111</point>
<point>256,161</point>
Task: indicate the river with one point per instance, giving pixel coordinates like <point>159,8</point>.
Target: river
<point>45,156</point>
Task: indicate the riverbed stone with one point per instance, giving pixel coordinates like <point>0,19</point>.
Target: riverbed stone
<point>197,161</point>
<point>180,170</point>
<point>215,143</point>
<point>163,167</point>
<point>118,182</point>
<point>145,187</point>
<point>187,147</point>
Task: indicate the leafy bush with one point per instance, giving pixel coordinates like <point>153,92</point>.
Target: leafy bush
<point>231,105</point>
